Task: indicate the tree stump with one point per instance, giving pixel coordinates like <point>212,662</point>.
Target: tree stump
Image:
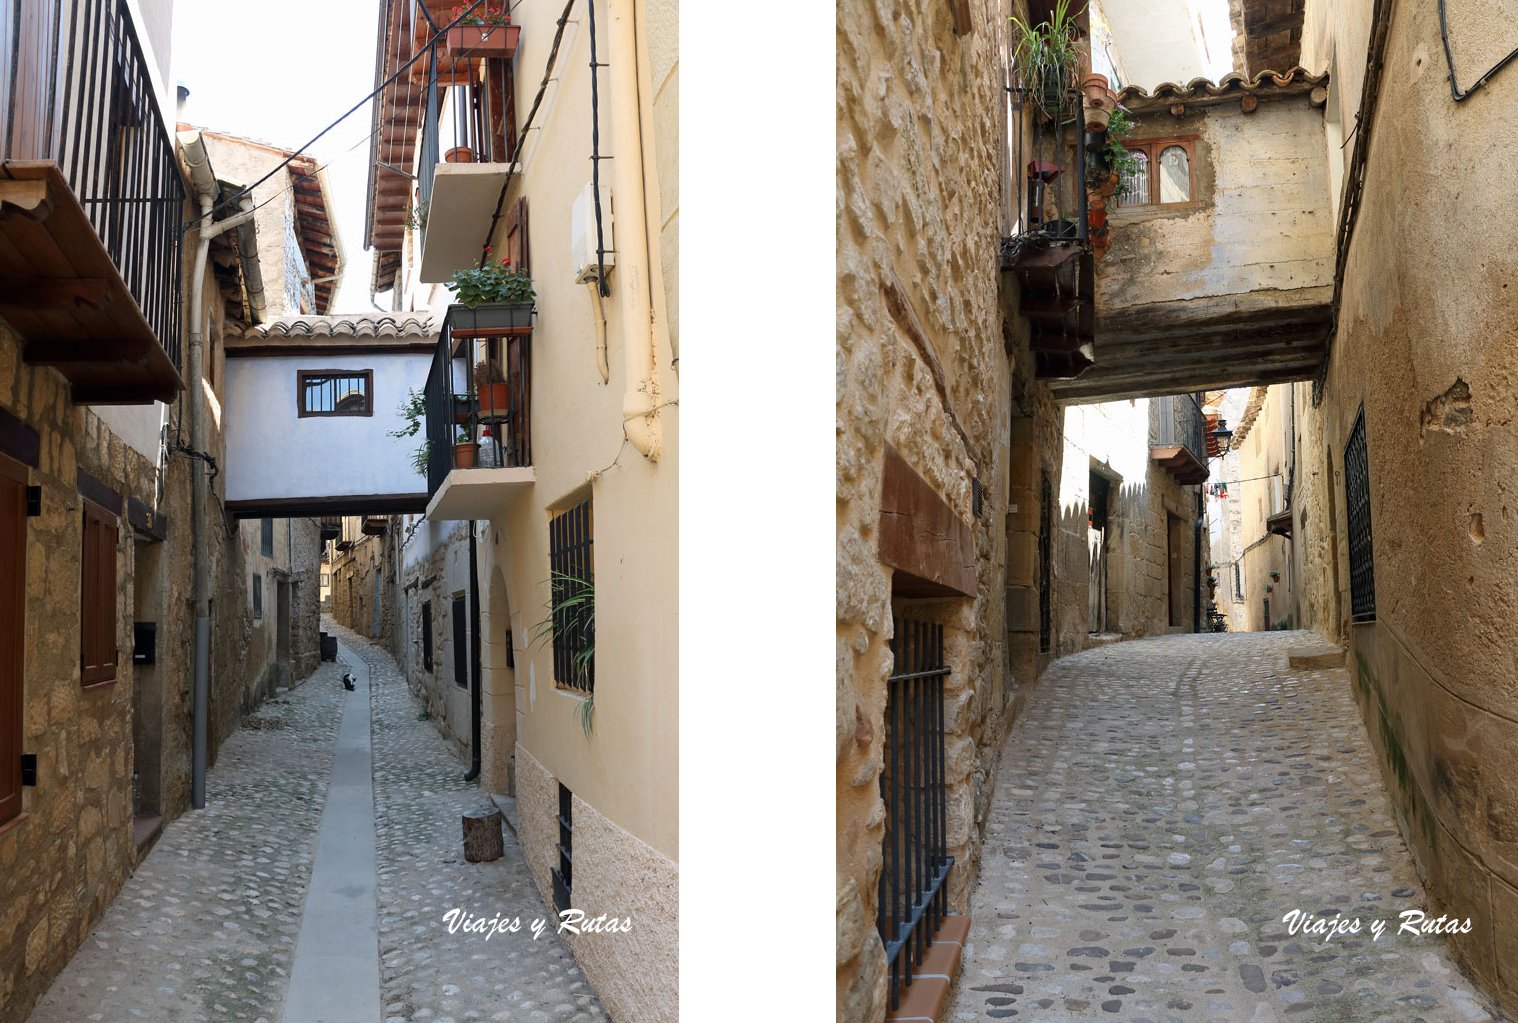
<point>482,836</point>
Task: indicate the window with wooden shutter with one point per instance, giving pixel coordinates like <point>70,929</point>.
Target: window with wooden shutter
<point>12,631</point>
<point>97,597</point>
<point>516,236</point>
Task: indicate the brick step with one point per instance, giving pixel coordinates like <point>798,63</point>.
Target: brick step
<point>926,1000</point>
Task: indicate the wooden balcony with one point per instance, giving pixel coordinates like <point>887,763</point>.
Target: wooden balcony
<point>91,202</point>
<point>1181,463</point>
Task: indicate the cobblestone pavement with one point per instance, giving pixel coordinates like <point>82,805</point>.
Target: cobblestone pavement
<point>425,972</point>
<point>205,929</point>
<point>1160,808</point>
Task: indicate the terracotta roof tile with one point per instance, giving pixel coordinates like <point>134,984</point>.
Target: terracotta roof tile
<point>380,325</point>
<point>1232,86</point>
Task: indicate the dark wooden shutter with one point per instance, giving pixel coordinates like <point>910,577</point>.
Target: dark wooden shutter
<point>97,597</point>
<point>516,236</point>
<point>12,630</point>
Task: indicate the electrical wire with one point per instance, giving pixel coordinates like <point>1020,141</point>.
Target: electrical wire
<point>1460,95</point>
<point>350,112</point>
<point>500,201</point>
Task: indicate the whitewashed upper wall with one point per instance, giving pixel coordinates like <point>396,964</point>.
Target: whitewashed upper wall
<point>1263,222</point>
<point>274,454</point>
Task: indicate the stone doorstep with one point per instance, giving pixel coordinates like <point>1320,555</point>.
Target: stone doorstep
<point>145,834</point>
<point>926,1000</point>
<point>1312,658</point>
<point>508,807</point>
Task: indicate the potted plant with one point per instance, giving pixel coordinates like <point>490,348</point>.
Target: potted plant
<point>459,154</point>
<point>486,31</point>
<point>416,215</point>
<point>464,449</point>
<point>1048,58</point>
<point>494,295</point>
<point>490,385</point>
<point>1275,577</point>
<point>1119,159</point>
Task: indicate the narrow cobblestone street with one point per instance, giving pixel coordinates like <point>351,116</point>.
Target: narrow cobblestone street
<point>206,928</point>
<point>1160,808</point>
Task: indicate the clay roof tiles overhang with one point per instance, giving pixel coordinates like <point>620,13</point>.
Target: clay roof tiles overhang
<point>1231,88</point>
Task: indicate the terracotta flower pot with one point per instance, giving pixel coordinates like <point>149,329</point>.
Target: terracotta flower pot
<point>459,154</point>
<point>495,399</point>
<point>484,40</point>
<point>463,455</point>
<point>1108,188</point>
<point>1095,87</point>
<point>1097,118</point>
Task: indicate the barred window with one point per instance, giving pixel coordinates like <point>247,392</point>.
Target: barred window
<point>570,535</point>
<point>1362,570</point>
<point>335,392</point>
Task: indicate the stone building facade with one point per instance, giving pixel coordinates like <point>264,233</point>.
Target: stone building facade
<point>603,378</point>
<point>965,489</point>
<point>1406,450</point>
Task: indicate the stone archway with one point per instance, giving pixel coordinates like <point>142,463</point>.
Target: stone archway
<point>498,703</point>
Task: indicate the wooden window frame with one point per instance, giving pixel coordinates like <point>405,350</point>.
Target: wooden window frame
<point>266,537</point>
<point>258,596</point>
<point>1152,148</point>
<point>302,375</point>
<point>426,634</point>
<point>100,536</point>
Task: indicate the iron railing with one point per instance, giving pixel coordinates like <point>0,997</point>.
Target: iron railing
<point>1049,161</point>
<point>489,410</point>
<point>1362,568</point>
<point>467,113</point>
<point>913,899</point>
<point>79,93</point>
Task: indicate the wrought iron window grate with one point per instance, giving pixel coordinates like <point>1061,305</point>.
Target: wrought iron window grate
<point>1362,571</point>
<point>912,899</point>
<point>563,874</point>
<point>324,393</point>
<point>570,537</point>
<point>1045,552</point>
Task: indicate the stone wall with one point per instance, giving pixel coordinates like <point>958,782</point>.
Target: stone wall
<point>615,874</point>
<point>1430,357</point>
<point>922,369</point>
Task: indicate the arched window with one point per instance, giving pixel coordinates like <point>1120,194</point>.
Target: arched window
<point>1175,175</point>
<point>1133,188</point>
<point>1163,174</point>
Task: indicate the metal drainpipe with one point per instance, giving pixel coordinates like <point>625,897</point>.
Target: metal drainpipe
<point>640,397</point>
<point>206,189</point>
<point>474,656</point>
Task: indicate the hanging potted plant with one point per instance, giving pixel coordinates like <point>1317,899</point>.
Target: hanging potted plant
<point>490,384</point>
<point>495,295</point>
<point>464,449</point>
<point>486,31</point>
<point>1275,577</point>
<point>1048,58</point>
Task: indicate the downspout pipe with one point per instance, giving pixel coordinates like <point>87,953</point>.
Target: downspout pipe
<point>474,655</point>
<point>640,398</point>
<point>206,190</point>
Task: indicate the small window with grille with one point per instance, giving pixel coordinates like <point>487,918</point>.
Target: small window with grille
<point>258,596</point>
<point>563,874</point>
<point>335,392</point>
<point>1362,569</point>
<point>1164,174</point>
<point>572,583</point>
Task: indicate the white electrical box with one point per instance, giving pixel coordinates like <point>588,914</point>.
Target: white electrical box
<point>582,235</point>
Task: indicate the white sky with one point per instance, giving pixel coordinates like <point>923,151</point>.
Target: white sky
<point>280,71</point>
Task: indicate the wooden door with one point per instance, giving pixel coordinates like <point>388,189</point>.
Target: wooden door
<point>12,630</point>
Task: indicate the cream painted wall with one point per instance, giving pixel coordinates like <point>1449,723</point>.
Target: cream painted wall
<point>628,768</point>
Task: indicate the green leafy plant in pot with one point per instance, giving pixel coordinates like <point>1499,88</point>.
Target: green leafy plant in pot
<point>495,283</point>
<point>464,450</point>
<point>490,385</point>
<point>1048,58</point>
<point>1118,160</point>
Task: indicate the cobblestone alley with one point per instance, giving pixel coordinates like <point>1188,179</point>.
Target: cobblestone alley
<point>207,928</point>
<point>1160,808</point>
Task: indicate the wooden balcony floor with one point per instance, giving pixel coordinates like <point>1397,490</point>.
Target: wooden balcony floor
<point>62,294</point>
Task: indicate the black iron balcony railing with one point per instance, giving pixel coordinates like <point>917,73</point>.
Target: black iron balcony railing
<point>79,94</point>
<point>1179,422</point>
<point>479,392</point>
<point>912,899</point>
<point>467,115</point>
